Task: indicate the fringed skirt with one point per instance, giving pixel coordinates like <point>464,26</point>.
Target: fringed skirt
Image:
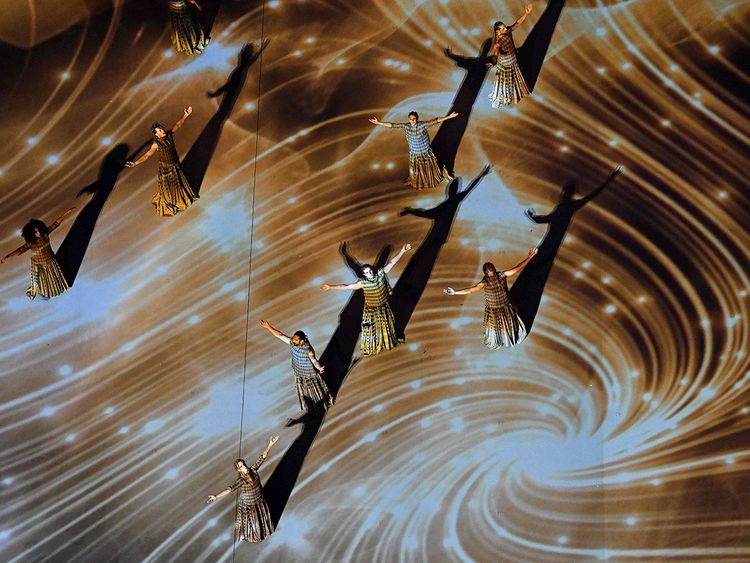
<point>503,327</point>
<point>47,279</point>
<point>378,330</point>
<point>187,32</point>
<point>424,170</point>
<point>253,521</point>
<point>510,86</point>
<point>313,393</point>
<point>175,193</point>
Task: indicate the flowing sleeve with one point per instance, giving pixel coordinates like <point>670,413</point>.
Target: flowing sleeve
<point>236,485</point>
<point>257,463</point>
<point>398,125</point>
<point>430,123</point>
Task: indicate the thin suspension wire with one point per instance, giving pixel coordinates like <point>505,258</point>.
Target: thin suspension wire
<point>250,262</point>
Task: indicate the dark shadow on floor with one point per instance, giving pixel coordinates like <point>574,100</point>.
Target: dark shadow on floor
<point>338,359</point>
<point>196,161</point>
<point>534,49</point>
<point>412,282</point>
<point>448,137</point>
<point>208,15</point>
<point>73,248</point>
<point>527,291</point>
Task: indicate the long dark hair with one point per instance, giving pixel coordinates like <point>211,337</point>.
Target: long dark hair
<point>302,336</point>
<point>488,265</point>
<point>28,233</point>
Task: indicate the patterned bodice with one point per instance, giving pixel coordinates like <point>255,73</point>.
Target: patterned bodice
<point>506,44</point>
<point>301,363</point>
<point>376,290</point>
<point>416,135</point>
<point>496,291</point>
<point>41,251</point>
<point>249,485</point>
<point>168,157</point>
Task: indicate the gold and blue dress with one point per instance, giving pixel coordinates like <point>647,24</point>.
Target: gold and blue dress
<point>47,278</point>
<point>187,33</point>
<point>312,391</point>
<point>253,519</point>
<point>378,323</point>
<point>510,85</point>
<point>502,325</point>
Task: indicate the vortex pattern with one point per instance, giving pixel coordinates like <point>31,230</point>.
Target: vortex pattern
<point>617,431</point>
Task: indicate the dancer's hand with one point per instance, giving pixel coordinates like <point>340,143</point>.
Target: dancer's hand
<point>452,115</point>
<point>490,65</point>
<point>533,252</point>
<point>617,171</point>
<point>448,52</point>
<point>68,211</point>
<point>211,498</point>
<point>405,248</point>
<point>188,110</point>
<point>264,324</point>
<point>449,291</point>
<point>322,369</point>
<point>325,287</point>
<point>2,260</point>
<point>374,121</point>
<point>272,440</point>
<point>527,9</point>
<point>130,164</point>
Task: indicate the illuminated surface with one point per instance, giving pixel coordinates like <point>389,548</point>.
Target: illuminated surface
<point>618,430</point>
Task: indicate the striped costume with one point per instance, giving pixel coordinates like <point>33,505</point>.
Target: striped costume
<point>378,324</point>
<point>187,32</point>
<point>502,325</point>
<point>424,170</point>
<point>312,391</point>
<point>47,278</point>
<point>510,86</point>
<point>175,193</point>
<point>253,519</point>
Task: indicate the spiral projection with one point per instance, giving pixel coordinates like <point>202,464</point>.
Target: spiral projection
<point>618,430</point>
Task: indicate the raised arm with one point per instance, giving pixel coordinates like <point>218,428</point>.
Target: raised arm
<point>144,157</point>
<point>60,219</point>
<point>271,442</point>
<point>449,116</point>
<point>612,175</point>
<point>187,111</point>
<point>223,492</point>
<point>346,286</point>
<point>396,258</point>
<point>521,265</point>
<point>531,214</point>
<point>376,121</point>
<point>277,333</point>
<point>17,252</point>
<point>465,291</point>
<point>519,21</point>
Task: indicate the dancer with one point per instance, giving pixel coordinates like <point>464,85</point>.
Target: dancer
<point>187,32</point>
<point>510,85</point>
<point>175,193</point>
<point>502,325</point>
<point>312,391</point>
<point>47,278</point>
<point>253,519</point>
<point>424,170</point>
<point>378,324</point>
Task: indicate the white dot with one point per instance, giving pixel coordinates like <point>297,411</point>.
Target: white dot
<point>631,520</point>
<point>65,370</point>
<point>70,437</point>
<point>475,31</point>
<point>648,396</point>
<point>4,535</point>
<point>562,540</point>
<point>375,166</point>
<point>723,194</point>
<point>655,482</point>
<point>601,70</point>
<point>613,142</point>
<point>53,159</point>
<point>626,66</point>
<point>106,141</point>
<point>742,293</point>
<point>586,264</point>
<point>413,347</point>
<point>714,49</point>
<point>601,31</point>
<point>564,148</point>
<point>2,171</point>
<point>609,309</point>
<point>340,61</point>
<point>606,279</point>
<point>390,166</point>
<point>415,384</point>
<point>635,373</point>
<point>405,67</point>
<point>172,473</point>
<point>654,404</point>
<point>559,133</point>
<point>211,522</point>
<point>296,53</point>
<point>425,422</point>
<point>249,106</point>
<point>444,21</point>
<point>377,408</point>
<point>642,299</point>
<point>674,67</point>
<point>169,53</point>
<point>578,275</point>
<point>428,43</point>
<point>729,460</point>
<point>665,123</point>
<point>109,410</point>
<point>310,40</point>
<point>65,75</point>
<point>8,481</point>
<point>683,381</point>
<point>195,319</point>
<point>124,430</point>
<point>31,141</point>
<point>274,4</point>
<point>292,200</point>
<point>47,411</point>
<point>744,410</point>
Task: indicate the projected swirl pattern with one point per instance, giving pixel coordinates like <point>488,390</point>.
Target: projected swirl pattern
<point>618,430</point>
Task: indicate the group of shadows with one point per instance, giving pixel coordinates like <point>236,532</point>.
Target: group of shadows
<point>338,357</point>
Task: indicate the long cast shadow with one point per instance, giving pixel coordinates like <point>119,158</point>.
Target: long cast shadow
<point>208,15</point>
<point>412,282</point>
<point>534,49</point>
<point>73,248</point>
<point>527,291</point>
<point>448,137</point>
<point>337,359</point>
<point>196,161</point>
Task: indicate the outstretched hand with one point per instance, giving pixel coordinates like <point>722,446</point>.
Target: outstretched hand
<point>617,171</point>
<point>527,9</point>
<point>211,498</point>
<point>533,252</point>
<point>452,115</point>
<point>406,248</point>
<point>449,291</point>
<point>188,110</point>
<point>325,287</point>
<point>129,164</point>
<point>272,440</point>
<point>374,121</point>
<point>264,324</point>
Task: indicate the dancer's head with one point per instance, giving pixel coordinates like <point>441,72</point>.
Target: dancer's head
<point>34,230</point>
<point>367,271</point>
<point>241,466</point>
<point>489,269</point>
<point>158,129</point>
<point>298,338</point>
<point>499,28</point>
<point>568,190</point>
<point>413,117</point>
